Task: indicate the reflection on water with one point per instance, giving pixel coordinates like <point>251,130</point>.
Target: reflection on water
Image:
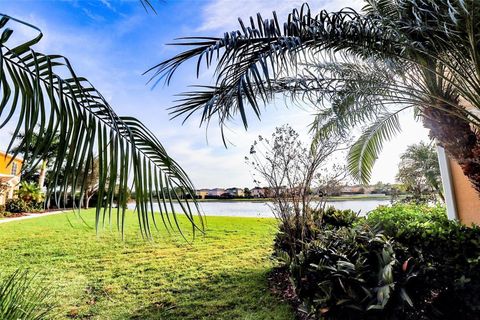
<point>261,209</point>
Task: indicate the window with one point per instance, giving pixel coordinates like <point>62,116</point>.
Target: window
<point>14,169</point>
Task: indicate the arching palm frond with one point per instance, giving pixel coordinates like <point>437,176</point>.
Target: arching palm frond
<point>434,42</point>
<point>43,96</point>
<point>247,60</point>
<point>365,150</point>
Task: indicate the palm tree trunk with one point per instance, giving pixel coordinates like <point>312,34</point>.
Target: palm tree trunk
<point>458,139</point>
<point>86,201</point>
<point>43,173</point>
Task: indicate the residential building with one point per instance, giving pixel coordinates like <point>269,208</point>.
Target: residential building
<point>258,192</point>
<point>235,192</point>
<point>217,192</point>
<point>202,193</point>
<point>10,170</point>
<point>353,190</point>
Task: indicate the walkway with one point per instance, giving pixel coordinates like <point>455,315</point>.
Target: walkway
<point>30,216</point>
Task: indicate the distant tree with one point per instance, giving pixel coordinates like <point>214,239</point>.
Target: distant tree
<point>419,171</point>
<point>247,193</point>
<point>89,183</point>
<point>379,187</point>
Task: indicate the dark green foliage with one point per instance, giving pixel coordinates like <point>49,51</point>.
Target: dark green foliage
<point>16,205</point>
<point>339,218</point>
<point>445,253</point>
<point>401,262</point>
<point>22,298</point>
<point>352,273</point>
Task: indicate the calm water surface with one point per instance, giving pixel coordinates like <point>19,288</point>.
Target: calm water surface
<point>261,209</point>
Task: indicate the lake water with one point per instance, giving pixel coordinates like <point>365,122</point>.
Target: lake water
<point>261,209</point>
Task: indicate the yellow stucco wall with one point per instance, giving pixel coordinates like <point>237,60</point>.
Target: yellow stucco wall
<point>466,197</point>
<point>5,168</point>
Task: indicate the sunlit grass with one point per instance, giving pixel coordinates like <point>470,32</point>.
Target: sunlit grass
<point>219,276</point>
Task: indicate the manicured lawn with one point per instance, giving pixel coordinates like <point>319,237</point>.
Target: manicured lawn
<point>219,276</point>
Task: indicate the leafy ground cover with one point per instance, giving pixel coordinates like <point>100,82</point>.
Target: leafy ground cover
<point>221,275</point>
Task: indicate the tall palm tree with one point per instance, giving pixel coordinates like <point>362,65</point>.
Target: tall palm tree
<point>42,95</point>
<point>421,54</point>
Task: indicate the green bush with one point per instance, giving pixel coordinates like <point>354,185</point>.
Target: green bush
<point>446,254</point>
<point>339,218</point>
<point>401,262</point>
<point>291,236</point>
<point>351,273</point>
<point>16,205</point>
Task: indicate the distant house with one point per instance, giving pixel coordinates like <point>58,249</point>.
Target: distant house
<point>353,190</point>
<point>202,193</point>
<point>258,192</point>
<point>9,176</point>
<point>217,192</point>
<point>235,192</point>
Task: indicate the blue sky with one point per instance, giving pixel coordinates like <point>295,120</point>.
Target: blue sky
<point>113,42</point>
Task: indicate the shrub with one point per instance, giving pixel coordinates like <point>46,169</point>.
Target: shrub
<point>16,205</point>
<point>445,253</point>
<point>339,218</point>
<point>351,273</point>
<point>401,262</point>
<point>292,236</point>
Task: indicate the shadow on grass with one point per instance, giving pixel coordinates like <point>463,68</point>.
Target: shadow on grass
<point>241,294</point>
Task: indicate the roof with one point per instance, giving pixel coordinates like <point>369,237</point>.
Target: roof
<point>6,179</point>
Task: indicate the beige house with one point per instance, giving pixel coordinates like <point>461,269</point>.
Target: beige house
<point>202,193</point>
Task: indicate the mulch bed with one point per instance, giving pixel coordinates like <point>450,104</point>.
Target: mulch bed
<point>22,214</point>
<point>281,286</point>
<point>14,215</point>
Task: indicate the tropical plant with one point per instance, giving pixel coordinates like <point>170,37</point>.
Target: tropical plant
<point>359,68</point>
<point>400,262</point>
<point>17,205</point>
<point>30,192</point>
<point>21,297</point>
<point>419,171</point>
<point>52,101</point>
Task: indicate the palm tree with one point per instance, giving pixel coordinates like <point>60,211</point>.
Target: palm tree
<point>369,66</point>
<point>51,101</point>
<point>419,168</point>
<point>30,164</point>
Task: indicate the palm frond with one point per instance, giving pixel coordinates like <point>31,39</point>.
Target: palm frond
<point>365,151</point>
<point>47,104</point>
<point>249,59</point>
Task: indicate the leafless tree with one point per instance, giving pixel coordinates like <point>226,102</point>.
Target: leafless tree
<point>291,170</point>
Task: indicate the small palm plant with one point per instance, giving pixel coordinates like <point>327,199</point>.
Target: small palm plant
<point>21,297</point>
<point>30,192</point>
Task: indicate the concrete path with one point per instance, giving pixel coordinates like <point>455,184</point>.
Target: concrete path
<point>30,216</point>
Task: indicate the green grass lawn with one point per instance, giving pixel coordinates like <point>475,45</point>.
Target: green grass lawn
<point>219,276</point>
